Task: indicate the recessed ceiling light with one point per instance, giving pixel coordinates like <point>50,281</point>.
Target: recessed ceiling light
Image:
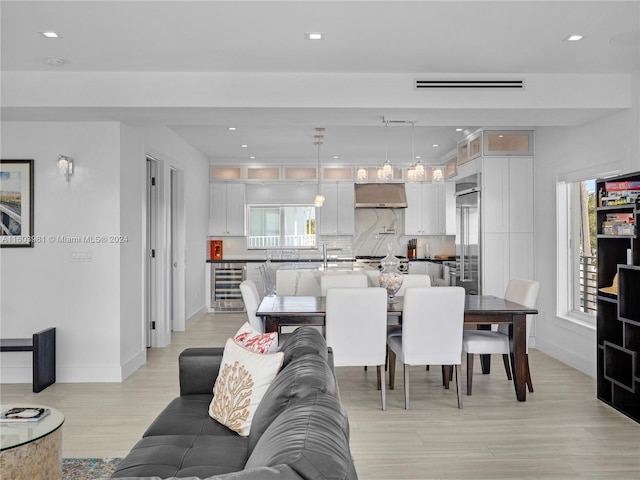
<point>418,157</point>
<point>252,157</point>
<point>50,34</point>
<point>314,36</point>
<point>244,146</point>
<point>232,128</point>
<point>336,157</point>
<point>574,38</point>
<point>435,145</point>
<point>458,129</point>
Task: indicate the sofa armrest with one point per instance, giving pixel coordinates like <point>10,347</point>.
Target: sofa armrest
<point>199,369</point>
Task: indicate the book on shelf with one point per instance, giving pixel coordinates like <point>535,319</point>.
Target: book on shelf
<point>24,414</point>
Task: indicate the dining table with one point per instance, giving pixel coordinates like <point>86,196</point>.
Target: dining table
<point>480,311</point>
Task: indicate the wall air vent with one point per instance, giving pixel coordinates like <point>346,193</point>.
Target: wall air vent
<point>428,84</point>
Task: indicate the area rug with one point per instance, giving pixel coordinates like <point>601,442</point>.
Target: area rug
<point>88,468</point>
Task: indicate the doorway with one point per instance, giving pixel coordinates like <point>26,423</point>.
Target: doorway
<point>177,271</point>
<point>151,266</point>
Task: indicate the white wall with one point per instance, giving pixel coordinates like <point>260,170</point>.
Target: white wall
<point>97,307</point>
<point>612,143</point>
<point>41,286</point>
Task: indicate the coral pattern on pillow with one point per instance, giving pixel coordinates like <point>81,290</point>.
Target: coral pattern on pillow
<point>243,380</point>
<point>256,341</point>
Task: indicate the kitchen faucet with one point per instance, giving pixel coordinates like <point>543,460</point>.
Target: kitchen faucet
<point>325,256</point>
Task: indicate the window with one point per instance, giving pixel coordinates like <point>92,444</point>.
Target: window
<point>282,227</point>
<point>577,242</point>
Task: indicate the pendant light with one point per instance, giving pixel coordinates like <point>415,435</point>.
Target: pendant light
<point>319,200</point>
<point>418,167</point>
<point>385,173</point>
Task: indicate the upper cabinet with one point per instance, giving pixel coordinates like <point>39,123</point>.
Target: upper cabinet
<point>430,209</point>
<point>226,209</point>
<point>337,215</point>
<point>507,142</point>
<point>495,143</point>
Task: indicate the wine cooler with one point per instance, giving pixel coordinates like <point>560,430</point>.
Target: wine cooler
<point>225,286</point>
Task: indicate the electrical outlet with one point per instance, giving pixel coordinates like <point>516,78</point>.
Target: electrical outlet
<point>82,256</point>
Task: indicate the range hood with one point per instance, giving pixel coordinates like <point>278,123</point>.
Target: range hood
<point>380,195</point>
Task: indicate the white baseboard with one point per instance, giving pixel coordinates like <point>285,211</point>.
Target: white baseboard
<point>195,317</point>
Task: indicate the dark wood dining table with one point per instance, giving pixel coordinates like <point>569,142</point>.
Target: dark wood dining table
<point>481,311</point>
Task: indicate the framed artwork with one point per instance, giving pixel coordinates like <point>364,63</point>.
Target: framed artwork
<point>16,203</point>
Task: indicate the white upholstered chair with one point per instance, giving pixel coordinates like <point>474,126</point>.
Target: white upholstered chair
<point>432,324</point>
<point>339,280</point>
<point>251,299</point>
<point>409,280</point>
<point>356,328</point>
<point>413,280</point>
<point>486,342</point>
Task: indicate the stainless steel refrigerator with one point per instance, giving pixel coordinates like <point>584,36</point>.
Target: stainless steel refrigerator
<point>468,267</point>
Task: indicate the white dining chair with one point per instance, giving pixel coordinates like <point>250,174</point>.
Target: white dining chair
<point>339,280</point>
<point>432,324</point>
<point>251,299</point>
<point>413,280</point>
<point>486,342</point>
<point>356,327</point>
<point>408,280</point>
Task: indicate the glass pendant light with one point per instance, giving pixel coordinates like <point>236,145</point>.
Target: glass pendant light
<point>319,200</point>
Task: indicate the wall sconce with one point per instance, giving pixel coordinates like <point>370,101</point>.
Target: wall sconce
<point>65,164</point>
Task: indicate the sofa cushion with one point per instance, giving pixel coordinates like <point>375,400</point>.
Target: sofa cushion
<point>311,437</point>
<point>304,376</point>
<point>303,341</point>
<point>243,380</point>
<point>183,456</point>
<point>279,472</point>
<point>252,339</point>
<point>188,415</point>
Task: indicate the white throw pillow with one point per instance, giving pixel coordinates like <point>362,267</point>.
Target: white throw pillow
<point>243,380</point>
<point>252,339</point>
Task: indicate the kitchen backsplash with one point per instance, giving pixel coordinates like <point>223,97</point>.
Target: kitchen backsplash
<point>374,229</point>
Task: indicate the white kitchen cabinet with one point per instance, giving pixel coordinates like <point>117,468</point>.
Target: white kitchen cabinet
<point>507,216</point>
<point>337,215</point>
<point>417,268</point>
<point>433,269</point>
<point>226,209</point>
<point>430,209</point>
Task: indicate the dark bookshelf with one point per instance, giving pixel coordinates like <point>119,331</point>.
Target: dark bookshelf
<point>618,320</point>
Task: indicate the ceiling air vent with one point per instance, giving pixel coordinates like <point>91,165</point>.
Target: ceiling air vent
<point>427,84</point>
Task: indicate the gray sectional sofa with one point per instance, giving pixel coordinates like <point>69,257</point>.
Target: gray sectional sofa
<point>299,431</point>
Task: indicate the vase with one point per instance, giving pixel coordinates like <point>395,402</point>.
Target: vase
<point>390,277</point>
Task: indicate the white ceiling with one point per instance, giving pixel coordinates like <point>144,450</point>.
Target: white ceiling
<point>364,37</point>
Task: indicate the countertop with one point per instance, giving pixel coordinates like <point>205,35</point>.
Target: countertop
<point>318,260</point>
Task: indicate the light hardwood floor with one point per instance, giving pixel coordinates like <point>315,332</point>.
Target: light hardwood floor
<point>561,432</point>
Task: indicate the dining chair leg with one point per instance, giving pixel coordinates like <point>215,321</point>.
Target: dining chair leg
<point>392,369</point>
<point>459,384</point>
<point>380,383</point>
<point>507,368</point>
<point>469,372</point>
<point>529,384</point>
<point>446,375</point>
<point>406,386</point>
<point>383,391</point>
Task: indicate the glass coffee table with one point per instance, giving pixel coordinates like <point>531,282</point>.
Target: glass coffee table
<point>32,449</point>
